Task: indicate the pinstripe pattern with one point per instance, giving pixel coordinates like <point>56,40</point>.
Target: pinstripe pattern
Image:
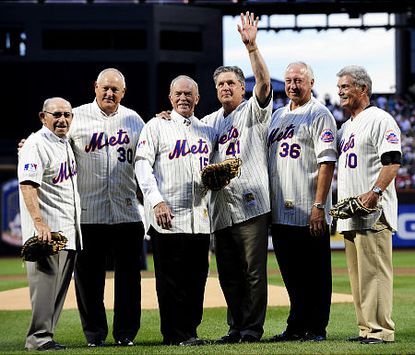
<point>242,134</point>
<point>298,141</point>
<point>178,174</point>
<point>104,148</point>
<point>362,141</point>
<point>44,159</point>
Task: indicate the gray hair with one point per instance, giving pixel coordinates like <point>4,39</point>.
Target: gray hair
<point>177,78</point>
<point>100,75</point>
<point>359,75</point>
<point>229,69</point>
<point>308,69</point>
<point>49,101</point>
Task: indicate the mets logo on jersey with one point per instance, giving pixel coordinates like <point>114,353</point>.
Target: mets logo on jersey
<point>142,143</point>
<point>327,136</point>
<point>392,137</point>
<point>31,167</point>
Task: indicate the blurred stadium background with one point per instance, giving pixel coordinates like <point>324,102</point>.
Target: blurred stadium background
<point>57,47</point>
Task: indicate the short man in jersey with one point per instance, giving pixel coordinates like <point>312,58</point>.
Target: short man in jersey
<point>370,155</point>
<point>170,156</point>
<point>104,137</point>
<point>302,155</point>
<point>240,211</point>
<point>49,202</point>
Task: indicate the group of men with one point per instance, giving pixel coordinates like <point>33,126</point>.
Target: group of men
<point>287,166</point>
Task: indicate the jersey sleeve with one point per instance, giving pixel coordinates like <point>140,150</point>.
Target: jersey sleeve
<point>262,114</point>
<point>387,137</point>
<point>30,166</point>
<point>324,133</point>
<point>147,149</point>
<point>147,146</point>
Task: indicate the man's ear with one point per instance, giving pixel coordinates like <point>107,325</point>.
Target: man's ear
<point>364,89</point>
<point>41,116</point>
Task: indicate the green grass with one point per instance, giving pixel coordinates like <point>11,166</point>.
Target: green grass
<point>13,324</point>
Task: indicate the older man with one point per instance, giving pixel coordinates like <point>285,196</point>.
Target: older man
<point>370,155</point>
<point>170,156</point>
<point>240,211</point>
<point>302,154</point>
<point>104,138</point>
<point>49,202</point>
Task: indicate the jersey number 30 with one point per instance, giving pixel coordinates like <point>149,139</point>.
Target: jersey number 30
<point>125,155</point>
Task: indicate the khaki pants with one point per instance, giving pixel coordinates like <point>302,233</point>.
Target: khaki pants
<point>369,260</point>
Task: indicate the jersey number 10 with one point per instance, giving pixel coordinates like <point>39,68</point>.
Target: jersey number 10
<point>350,160</point>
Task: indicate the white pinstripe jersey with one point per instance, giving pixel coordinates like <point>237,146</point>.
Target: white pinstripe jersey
<point>48,161</point>
<point>362,141</point>
<point>104,148</point>
<point>298,141</point>
<point>177,152</point>
<point>242,134</point>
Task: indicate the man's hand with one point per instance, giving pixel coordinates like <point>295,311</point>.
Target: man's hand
<point>43,231</point>
<point>165,115</point>
<point>20,144</point>
<point>163,215</point>
<point>317,222</point>
<point>248,30</point>
<point>369,199</point>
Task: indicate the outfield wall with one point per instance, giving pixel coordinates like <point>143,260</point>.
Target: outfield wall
<point>11,239</point>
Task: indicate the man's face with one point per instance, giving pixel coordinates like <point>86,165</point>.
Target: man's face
<point>109,91</point>
<point>184,97</point>
<point>350,94</point>
<point>229,89</point>
<point>57,117</point>
<point>298,84</point>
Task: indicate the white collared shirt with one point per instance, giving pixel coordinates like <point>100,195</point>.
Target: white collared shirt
<point>104,148</point>
<point>48,161</point>
<point>170,156</point>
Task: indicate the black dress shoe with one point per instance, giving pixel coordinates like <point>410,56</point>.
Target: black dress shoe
<point>359,338</point>
<point>95,344</point>
<point>231,338</point>
<point>193,342</point>
<point>51,346</point>
<point>247,338</point>
<point>372,341</point>
<point>125,342</point>
<point>285,336</point>
<point>313,337</point>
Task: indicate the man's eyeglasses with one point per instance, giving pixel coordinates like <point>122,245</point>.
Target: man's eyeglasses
<point>58,114</point>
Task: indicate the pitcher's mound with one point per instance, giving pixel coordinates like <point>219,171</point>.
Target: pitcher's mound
<point>18,299</point>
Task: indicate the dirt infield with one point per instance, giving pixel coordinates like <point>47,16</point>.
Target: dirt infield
<point>18,299</point>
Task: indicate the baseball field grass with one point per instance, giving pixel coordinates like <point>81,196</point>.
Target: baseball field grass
<point>13,324</point>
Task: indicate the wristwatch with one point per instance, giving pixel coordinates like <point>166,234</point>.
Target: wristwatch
<point>377,190</point>
<point>319,205</point>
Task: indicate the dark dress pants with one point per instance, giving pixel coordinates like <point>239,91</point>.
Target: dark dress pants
<point>305,265</point>
<point>181,263</point>
<point>241,255</point>
<point>124,242</point>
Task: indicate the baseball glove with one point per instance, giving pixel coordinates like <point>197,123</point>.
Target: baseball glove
<point>217,176</point>
<point>350,207</point>
<point>34,249</point>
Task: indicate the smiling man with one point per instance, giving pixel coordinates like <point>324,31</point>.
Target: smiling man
<point>49,202</point>
<point>104,137</point>
<point>170,157</point>
<point>370,156</point>
<point>302,154</point>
